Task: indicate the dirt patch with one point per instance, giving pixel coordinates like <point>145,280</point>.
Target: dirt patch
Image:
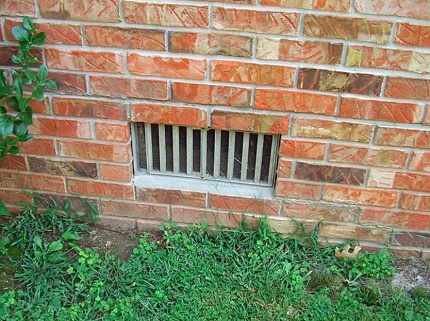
<point>412,272</point>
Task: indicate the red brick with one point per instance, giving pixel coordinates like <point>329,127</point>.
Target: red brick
<point>211,94</point>
<point>356,195</point>
<point>354,232</point>
<point>117,132</point>
<point>95,151</point>
<point>348,28</point>
<point>55,33</point>
<point>128,87</point>
<point>282,23</point>
<point>415,202</point>
<point>301,51</point>
<point>9,51</point>
<point>284,167</point>
<point>420,161</point>
<point>404,219</point>
<point>210,44</point>
<point>413,182</point>
<point>13,162</point>
<point>380,110</point>
<point>97,10</point>
<point>313,128</point>
<point>100,189</point>
<point>371,57</point>
<point>166,66</point>
<point>89,108</point>
<point>403,137</point>
<point>37,182</point>
<point>166,14</point>
<point>294,189</point>
<point>427,116</point>
<point>116,172</point>
<point>40,146</point>
<point>240,72</point>
<point>336,81</point>
<point>41,107</point>
<point>135,210</point>
<point>404,8</point>
<point>413,35</point>
<point>242,204</point>
<point>302,149</point>
<point>61,127</point>
<point>409,238</point>
<point>211,217</point>
<point>18,8</point>
<point>321,211</point>
<point>330,5</point>
<point>84,60</point>
<point>269,124</point>
<point>69,83</point>
<point>408,88</point>
<point>131,38</point>
<point>368,156</point>
<point>154,195</point>
<point>295,101</point>
<point>329,174</point>
<point>14,197</point>
<point>169,115</point>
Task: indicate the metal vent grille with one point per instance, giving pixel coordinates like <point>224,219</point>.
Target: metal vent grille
<point>209,154</point>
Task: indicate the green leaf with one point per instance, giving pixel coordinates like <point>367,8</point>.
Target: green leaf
<point>13,150</point>
<point>17,60</point>
<point>42,73</point>
<point>23,103</point>
<point>38,93</point>
<point>18,88</point>
<point>55,246</point>
<point>19,33</point>
<point>3,110</point>
<point>25,138</point>
<point>6,125</point>
<point>37,240</point>
<point>68,235</point>
<point>20,130</point>
<point>39,39</point>
<point>31,75</point>
<point>26,116</point>
<point>3,210</point>
<point>51,84</point>
<point>28,24</point>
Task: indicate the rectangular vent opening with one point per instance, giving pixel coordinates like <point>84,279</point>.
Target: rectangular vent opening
<point>207,153</point>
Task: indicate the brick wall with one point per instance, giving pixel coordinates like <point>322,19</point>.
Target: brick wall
<point>346,83</point>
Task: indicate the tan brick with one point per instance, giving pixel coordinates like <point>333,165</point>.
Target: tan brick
<point>153,195</point>
<point>242,204</point>
<point>135,210</point>
<point>388,136</point>
<point>330,5</point>
<point>405,8</point>
<point>356,232</point>
<point>117,132</point>
<point>294,189</point>
<point>95,151</point>
<point>321,211</point>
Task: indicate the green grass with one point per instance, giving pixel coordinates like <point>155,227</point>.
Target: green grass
<point>198,274</point>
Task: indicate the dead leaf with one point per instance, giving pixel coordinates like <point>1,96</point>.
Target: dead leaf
<point>346,254</point>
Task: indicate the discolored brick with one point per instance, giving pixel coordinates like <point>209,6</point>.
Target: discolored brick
<point>420,161</point>
<point>329,174</point>
<point>410,238</point>
<point>415,202</point>
<point>331,5</point>
<point>62,168</point>
<point>166,196</point>
<point>89,108</point>
<point>404,8</point>
<point>389,136</point>
<point>356,232</point>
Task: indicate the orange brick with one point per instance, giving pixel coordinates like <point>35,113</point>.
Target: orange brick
<point>302,149</point>
<point>413,35</point>
<point>99,11</point>
<point>169,115</point>
<point>171,15</point>
<point>242,204</point>
<point>380,110</point>
<point>368,156</point>
<point>408,88</point>
<point>135,210</point>
<point>40,146</point>
<point>282,23</point>
<point>240,72</point>
<point>313,128</point>
<point>321,211</point>
<point>15,8</point>
<point>270,124</point>
<point>284,167</point>
<point>55,33</point>
<point>154,195</point>
<point>117,132</point>
<point>128,87</point>
<point>132,38</point>
<point>355,232</point>
<point>301,51</point>
<point>41,107</point>
<point>411,220</point>
<point>13,162</point>
<point>211,94</point>
<point>427,116</point>
<point>84,60</point>
<point>403,137</point>
<point>348,28</point>
<point>404,8</point>
<point>96,151</point>
<point>116,172</point>
<point>371,57</point>
<point>210,44</point>
<point>420,161</point>
<point>89,108</point>
<point>294,189</point>
<point>295,101</point>
<point>331,5</point>
<point>415,202</point>
<point>9,196</point>
<point>69,83</point>
<point>61,127</point>
<point>101,189</point>
<point>412,182</point>
<point>211,217</point>
<point>37,182</point>
<point>356,195</point>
